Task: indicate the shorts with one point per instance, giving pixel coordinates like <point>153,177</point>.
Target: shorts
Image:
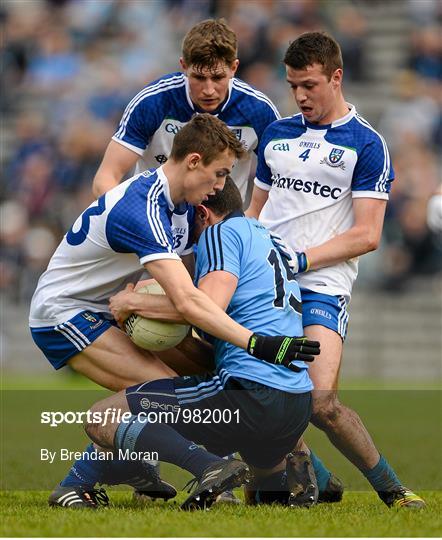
<point>61,342</point>
<point>228,414</point>
<point>325,310</point>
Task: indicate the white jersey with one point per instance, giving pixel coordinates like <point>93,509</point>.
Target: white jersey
<point>312,172</point>
<point>156,114</point>
<point>106,248</point>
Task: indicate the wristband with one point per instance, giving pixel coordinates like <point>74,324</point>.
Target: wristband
<point>303,262</point>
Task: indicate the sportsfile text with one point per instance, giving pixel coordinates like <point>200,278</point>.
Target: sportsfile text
<point>112,415</point>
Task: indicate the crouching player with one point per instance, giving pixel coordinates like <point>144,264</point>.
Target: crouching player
<point>264,407</point>
<point>126,231</point>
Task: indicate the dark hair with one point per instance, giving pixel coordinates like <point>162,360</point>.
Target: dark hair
<point>225,201</point>
<point>208,136</point>
<point>314,48</point>
<point>208,43</point>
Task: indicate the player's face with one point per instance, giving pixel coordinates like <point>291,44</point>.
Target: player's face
<point>204,180</point>
<point>316,95</point>
<point>209,87</point>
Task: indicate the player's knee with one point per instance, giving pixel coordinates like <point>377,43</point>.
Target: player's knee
<point>326,412</point>
<point>93,425</point>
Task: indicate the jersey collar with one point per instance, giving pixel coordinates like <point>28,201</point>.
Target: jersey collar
<point>235,213</point>
<point>197,109</point>
<point>165,183</point>
<point>339,122</point>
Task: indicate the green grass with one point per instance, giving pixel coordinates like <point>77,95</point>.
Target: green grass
<point>406,425</point>
<point>360,514</point>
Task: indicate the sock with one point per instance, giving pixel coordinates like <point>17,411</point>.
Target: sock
<point>321,472</point>
<point>171,446</point>
<point>381,476</point>
<point>89,471</point>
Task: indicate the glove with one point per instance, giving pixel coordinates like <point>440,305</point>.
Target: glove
<point>282,350</point>
<point>297,260</point>
<point>299,263</point>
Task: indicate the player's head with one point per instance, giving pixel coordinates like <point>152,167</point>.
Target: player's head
<point>206,149</point>
<point>217,207</point>
<point>209,60</point>
<point>314,71</point>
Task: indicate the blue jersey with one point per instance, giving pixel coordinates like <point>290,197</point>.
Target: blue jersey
<point>312,173</point>
<point>267,299</point>
<point>107,246</point>
<point>156,114</point>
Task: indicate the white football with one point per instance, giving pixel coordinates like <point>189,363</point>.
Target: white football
<point>154,335</point>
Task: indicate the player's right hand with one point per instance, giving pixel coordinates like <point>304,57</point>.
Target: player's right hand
<point>283,350</point>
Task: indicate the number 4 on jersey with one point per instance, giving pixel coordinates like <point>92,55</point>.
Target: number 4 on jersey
<point>305,155</point>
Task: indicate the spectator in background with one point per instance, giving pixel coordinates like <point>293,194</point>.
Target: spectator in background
<point>65,112</point>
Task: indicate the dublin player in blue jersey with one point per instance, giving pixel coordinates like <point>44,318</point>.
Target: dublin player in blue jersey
<point>263,407</point>
<point>207,84</point>
<point>322,183</point>
<point>127,231</point>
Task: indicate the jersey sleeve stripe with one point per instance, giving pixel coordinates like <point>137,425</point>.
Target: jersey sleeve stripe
<point>246,89</point>
<point>381,184</point>
<point>209,258</point>
<point>215,255</point>
<point>163,86</point>
<point>212,238</point>
<point>153,214</point>
<point>220,244</point>
<point>163,83</point>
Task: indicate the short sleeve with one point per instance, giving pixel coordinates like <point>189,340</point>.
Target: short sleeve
<point>219,248</point>
<point>373,171</point>
<point>263,173</point>
<point>140,120</point>
<point>138,225</point>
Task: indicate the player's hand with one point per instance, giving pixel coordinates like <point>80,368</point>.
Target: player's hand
<point>119,304</point>
<point>299,263</point>
<point>297,260</point>
<point>282,350</point>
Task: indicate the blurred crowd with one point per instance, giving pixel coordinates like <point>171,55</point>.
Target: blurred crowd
<point>70,67</point>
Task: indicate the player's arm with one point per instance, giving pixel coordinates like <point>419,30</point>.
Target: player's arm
<point>195,306</point>
<point>118,160</point>
<point>259,198</point>
<point>362,237</point>
<point>219,287</point>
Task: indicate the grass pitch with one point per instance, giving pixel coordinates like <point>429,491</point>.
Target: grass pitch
<point>360,514</point>
<point>406,425</point>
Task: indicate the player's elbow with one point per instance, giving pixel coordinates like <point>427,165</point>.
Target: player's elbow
<point>186,302</point>
<point>372,241</point>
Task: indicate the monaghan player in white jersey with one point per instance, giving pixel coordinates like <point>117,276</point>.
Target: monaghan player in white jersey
<point>126,231</point>
<point>322,184</point>
<point>208,84</point>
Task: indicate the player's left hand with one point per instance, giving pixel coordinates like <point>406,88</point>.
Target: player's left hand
<point>297,260</point>
<point>119,303</point>
<point>282,350</point>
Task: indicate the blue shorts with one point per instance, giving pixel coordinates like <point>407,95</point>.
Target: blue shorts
<point>325,310</point>
<point>227,414</point>
<point>62,342</point>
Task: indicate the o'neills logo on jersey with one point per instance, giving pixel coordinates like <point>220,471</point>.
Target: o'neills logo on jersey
<point>334,159</point>
<point>297,184</point>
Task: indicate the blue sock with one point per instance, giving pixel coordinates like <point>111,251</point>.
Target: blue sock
<point>171,446</point>
<point>86,471</point>
<point>321,472</point>
<point>89,471</point>
<point>382,477</point>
